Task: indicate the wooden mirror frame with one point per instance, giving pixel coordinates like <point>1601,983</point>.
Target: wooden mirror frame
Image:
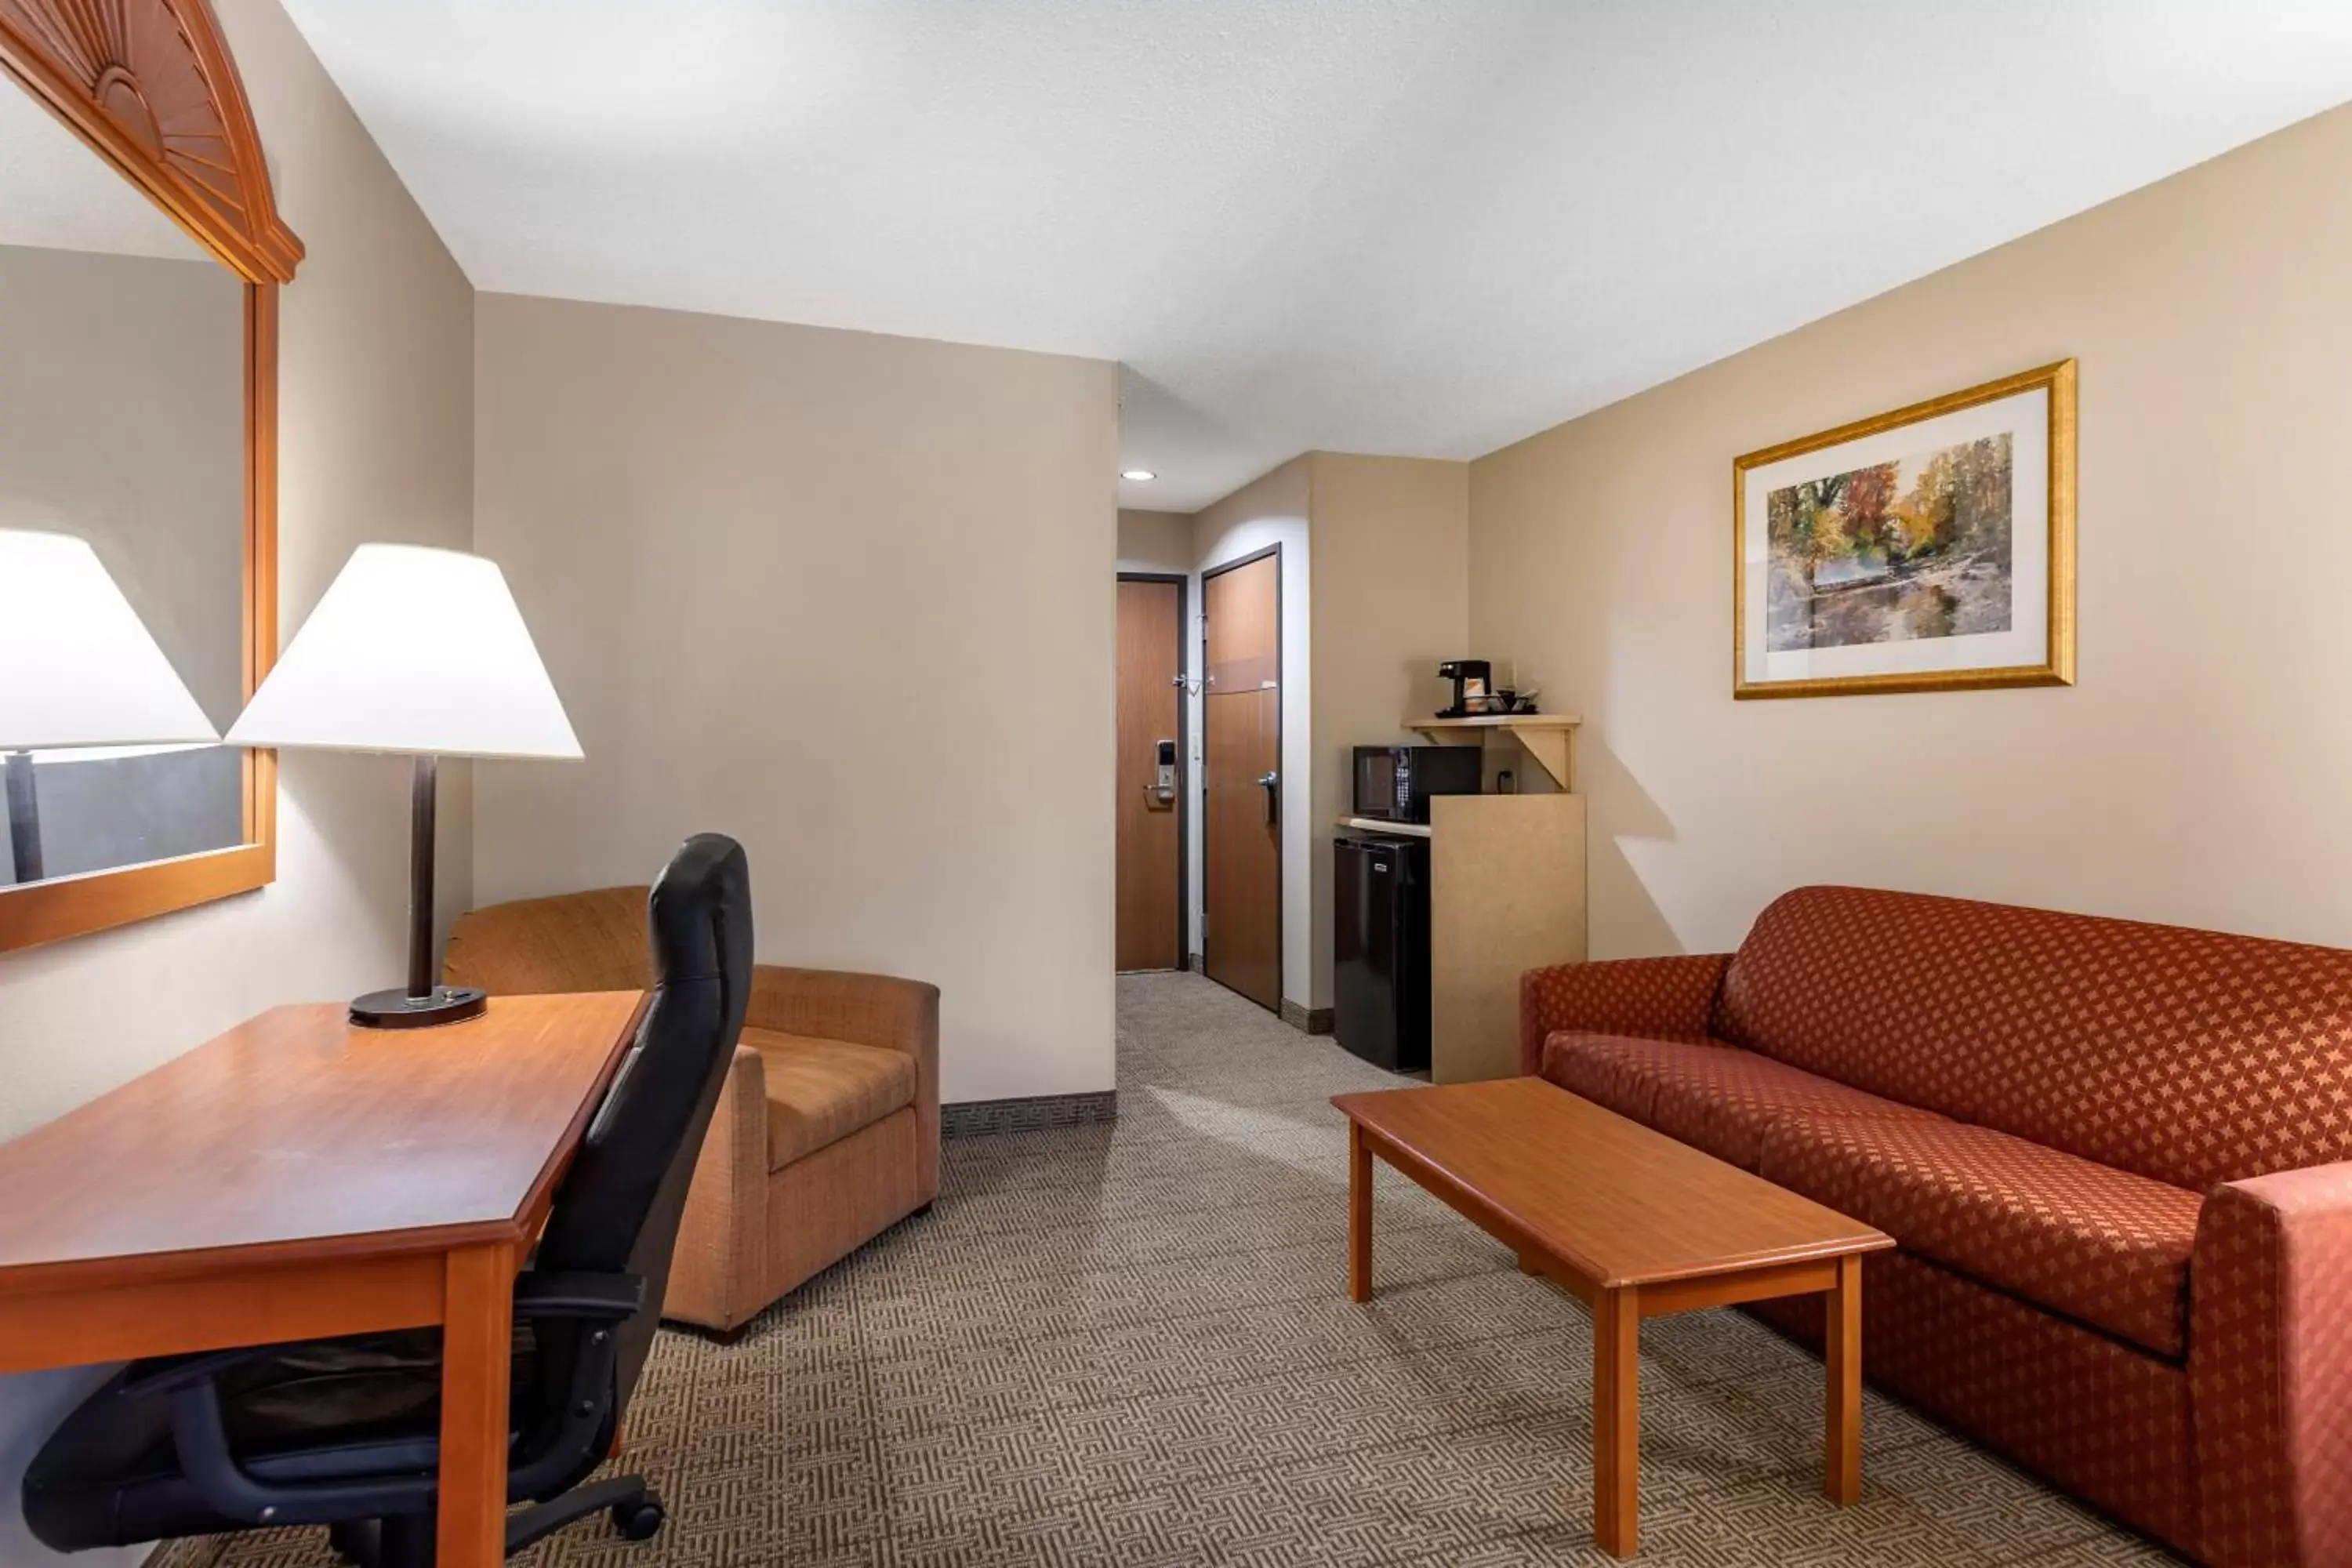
<point>149,85</point>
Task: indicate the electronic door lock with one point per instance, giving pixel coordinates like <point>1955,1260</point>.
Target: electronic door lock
<point>1163,786</point>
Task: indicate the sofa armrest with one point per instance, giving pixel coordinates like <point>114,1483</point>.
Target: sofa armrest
<point>1670,998</point>
<point>2269,1369</point>
<point>879,1010</point>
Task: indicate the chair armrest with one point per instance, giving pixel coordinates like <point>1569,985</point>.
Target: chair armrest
<point>238,1488</point>
<point>611,1298</point>
<point>600,1298</point>
<point>1670,998</point>
<point>879,1010</point>
<point>171,1374</point>
<point>2270,1368</point>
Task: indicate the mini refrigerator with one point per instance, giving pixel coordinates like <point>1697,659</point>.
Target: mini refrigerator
<point>1381,949</point>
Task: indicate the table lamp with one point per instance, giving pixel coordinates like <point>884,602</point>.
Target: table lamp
<point>419,652</point>
<point>82,672</point>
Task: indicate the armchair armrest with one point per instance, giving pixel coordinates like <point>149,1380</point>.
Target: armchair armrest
<point>878,1010</point>
<point>2270,1368</point>
<point>1670,998</point>
<point>718,1273</point>
<point>837,1005</point>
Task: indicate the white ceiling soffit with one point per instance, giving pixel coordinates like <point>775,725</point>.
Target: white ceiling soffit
<point>56,193</point>
<point>1426,227</point>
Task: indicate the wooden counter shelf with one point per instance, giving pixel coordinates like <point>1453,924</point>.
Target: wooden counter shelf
<point>1381,824</point>
<point>1549,738</point>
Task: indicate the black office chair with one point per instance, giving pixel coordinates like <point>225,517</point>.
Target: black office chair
<point>345,1433</point>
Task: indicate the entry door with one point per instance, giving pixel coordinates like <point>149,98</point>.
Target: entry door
<point>1241,704</point>
<point>1150,817</point>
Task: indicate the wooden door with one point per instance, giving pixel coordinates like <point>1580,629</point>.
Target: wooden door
<point>1241,732</point>
<point>1150,823</point>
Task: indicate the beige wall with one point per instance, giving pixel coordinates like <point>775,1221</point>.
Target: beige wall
<point>1155,541</point>
<point>377,442</point>
<point>2198,771</point>
<point>1271,510</point>
<point>1391,600</point>
<point>848,598</point>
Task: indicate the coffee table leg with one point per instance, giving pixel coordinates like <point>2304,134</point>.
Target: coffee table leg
<point>1617,1421</point>
<point>1841,1360</point>
<point>1360,1215</point>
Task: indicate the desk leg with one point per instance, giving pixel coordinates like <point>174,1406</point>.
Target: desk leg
<point>1841,1362</point>
<point>476,1345</point>
<point>1617,1421</point>
<point>1360,1215</point>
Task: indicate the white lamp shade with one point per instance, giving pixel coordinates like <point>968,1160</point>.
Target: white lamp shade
<point>77,666</point>
<point>412,650</point>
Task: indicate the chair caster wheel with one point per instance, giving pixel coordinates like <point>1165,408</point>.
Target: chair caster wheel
<point>640,1519</point>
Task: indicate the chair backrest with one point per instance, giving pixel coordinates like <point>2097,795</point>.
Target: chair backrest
<point>574,942</point>
<point>619,1205</point>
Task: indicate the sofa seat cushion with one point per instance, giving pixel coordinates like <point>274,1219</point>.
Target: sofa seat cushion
<point>1711,1096</point>
<point>821,1092</point>
<point>2103,1245</point>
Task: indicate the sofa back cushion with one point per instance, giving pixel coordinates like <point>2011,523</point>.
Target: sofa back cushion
<point>573,941</point>
<point>2188,1055</point>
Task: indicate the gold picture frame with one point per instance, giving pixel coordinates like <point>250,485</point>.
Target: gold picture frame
<point>1751,662</point>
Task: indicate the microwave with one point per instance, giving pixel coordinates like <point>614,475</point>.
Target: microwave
<point>1394,784</point>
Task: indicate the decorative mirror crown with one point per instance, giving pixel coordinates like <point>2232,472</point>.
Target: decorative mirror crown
<point>149,84</point>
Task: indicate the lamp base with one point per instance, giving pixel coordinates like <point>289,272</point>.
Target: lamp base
<point>399,1010</point>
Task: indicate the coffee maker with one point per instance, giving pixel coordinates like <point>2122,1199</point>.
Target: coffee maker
<point>1473,684</point>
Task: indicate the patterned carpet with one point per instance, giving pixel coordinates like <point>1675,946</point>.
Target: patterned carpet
<point>1133,1346</point>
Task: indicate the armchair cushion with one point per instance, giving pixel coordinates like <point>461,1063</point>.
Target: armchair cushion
<point>879,1010</point>
<point>820,1091</point>
<point>2099,1244</point>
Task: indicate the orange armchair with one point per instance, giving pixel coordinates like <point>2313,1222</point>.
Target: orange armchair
<point>827,1131</point>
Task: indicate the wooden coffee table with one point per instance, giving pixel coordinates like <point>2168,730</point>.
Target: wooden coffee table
<point>1633,1223</point>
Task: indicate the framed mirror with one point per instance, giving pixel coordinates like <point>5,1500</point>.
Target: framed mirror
<point>140,259</point>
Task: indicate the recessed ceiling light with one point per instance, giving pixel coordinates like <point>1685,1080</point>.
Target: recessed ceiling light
<point>1141,475</point>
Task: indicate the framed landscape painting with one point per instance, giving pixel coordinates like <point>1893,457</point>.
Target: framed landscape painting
<point>1928,549</point>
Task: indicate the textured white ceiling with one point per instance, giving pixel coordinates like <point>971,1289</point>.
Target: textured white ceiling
<point>1426,226</point>
<point>56,193</point>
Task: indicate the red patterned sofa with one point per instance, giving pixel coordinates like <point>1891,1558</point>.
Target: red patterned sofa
<point>2111,1152</point>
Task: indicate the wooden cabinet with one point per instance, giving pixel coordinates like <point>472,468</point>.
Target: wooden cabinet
<point>1506,895</point>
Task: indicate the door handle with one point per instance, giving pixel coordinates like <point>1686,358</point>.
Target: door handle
<point>1162,787</point>
<point>1272,785</point>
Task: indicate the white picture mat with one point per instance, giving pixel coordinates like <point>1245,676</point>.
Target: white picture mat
<point>2025,418</point>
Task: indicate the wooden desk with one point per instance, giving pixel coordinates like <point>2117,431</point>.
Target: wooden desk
<point>296,1178</point>
<point>1633,1223</point>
